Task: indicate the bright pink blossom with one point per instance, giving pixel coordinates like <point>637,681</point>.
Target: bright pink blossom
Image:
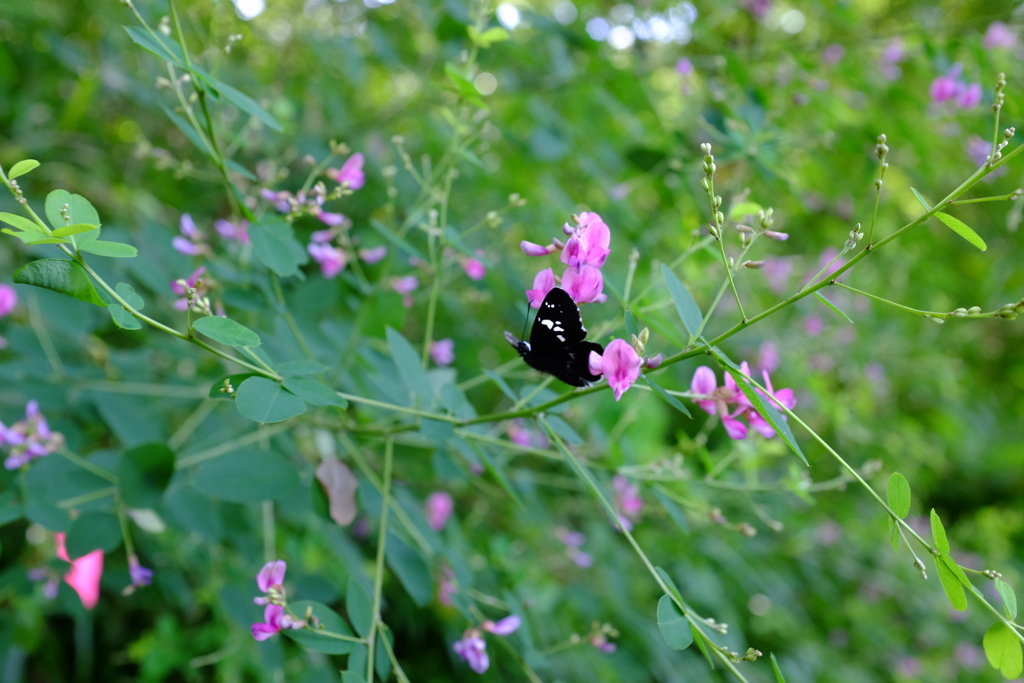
<point>332,260</point>
<point>584,284</point>
<point>439,508</point>
<point>620,364</point>
<point>543,283</point>
<point>781,398</point>
<point>474,268</point>
<point>589,242</point>
<point>85,573</point>
<point>999,35</point>
<point>8,299</point>
<point>275,619</point>
<point>969,96</point>
<point>351,172</point>
<point>714,399</point>
<point>270,580</point>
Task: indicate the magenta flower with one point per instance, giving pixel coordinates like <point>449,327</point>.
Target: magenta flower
<point>275,619</point>
<point>29,439</point>
<point>332,260</point>
<point>474,269</point>
<point>951,87</point>
<point>473,649</point>
<point>8,299</point>
<point>715,399</point>
<point>588,243</point>
<point>684,67</point>
<point>439,509</point>
<point>531,249</point>
<point>270,580</point>
<point>442,352</point>
<point>584,284</point>
<point>969,96</point>
<point>620,364</point>
<point>627,501</point>
<point>140,576</point>
<point>331,219</point>
<point>999,36</point>
<point>543,283</point>
<point>233,231</point>
<point>782,397</point>
<point>190,241</point>
<point>351,172</point>
<point>85,573</point>
<point>373,254</point>
<point>504,627</point>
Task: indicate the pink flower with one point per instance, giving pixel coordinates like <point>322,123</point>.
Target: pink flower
<point>833,53</point>
<point>999,35</point>
<point>180,287</point>
<point>782,397</point>
<point>280,200</point>
<point>473,649</point>
<point>331,219</point>
<point>351,172</point>
<point>543,283</point>
<point>474,269</point>
<point>523,436</point>
<point>443,351</point>
<point>684,67</point>
<point>588,243</point>
<point>620,364</point>
<point>439,509</point>
<point>29,439</point>
<point>85,573</point>
<point>573,540</point>
<point>768,356</point>
<point>627,501</point>
<point>190,241</point>
<point>814,325</point>
<point>274,619</point>
<point>504,627</point>
<point>584,284</point>
<point>969,96</point>
<point>531,249</point>
<point>373,254</point>
<point>322,236</point>
<point>140,576</point>
<point>8,299</point>
<point>888,64</point>
<point>946,87</point>
<point>270,580</point>
<point>715,399</point>
<point>184,246</point>
<point>405,285</point>
<point>332,260</point>
<point>230,230</point>
<point>188,228</point>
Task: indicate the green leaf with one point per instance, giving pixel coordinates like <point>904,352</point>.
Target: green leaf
<point>488,37</point>
<point>564,430</point>
<point>79,210</point>
<point>688,310</point>
<point>275,246</point>
<point>744,209</point>
<point>463,86</point>
<point>833,307</point>
<point>951,583</point>
<point>314,639</point>
<point>762,406</point>
<point>297,368</point>
<point>226,331</point>
<point>962,229</point>
<point>939,533</point>
<point>1003,650</point>
<point>894,536</point>
<point>126,292</point>
<point>122,318</point>
<point>143,474</point>
<point>246,476</point>
<point>408,363</point>
<point>502,384</point>
<point>109,249</point>
<point>1008,596</point>
<point>22,167</point>
<point>263,400</point>
<point>20,222</point>
<point>76,229</point>
<point>411,570</point>
<point>165,48</point>
<point>93,531</point>
<point>314,392</point>
<point>236,381</point>
<point>59,275</point>
<point>35,237</point>
<point>898,493</point>
<point>359,605</point>
<point>242,101</point>
<point>779,678</point>
<point>925,204</point>
<point>671,400</point>
<point>673,590</point>
<point>674,627</point>
<point>630,321</point>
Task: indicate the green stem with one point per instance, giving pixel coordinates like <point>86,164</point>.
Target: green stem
<point>378,577</point>
<point>89,466</point>
<point>98,494</point>
<point>399,672</point>
<point>400,409</point>
<point>122,519</point>
<point>915,311</point>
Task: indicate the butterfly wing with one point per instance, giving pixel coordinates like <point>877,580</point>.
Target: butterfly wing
<point>557,344</point>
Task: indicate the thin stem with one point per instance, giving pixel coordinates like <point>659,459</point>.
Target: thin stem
<point>264,432</point>
<point>382,536</point>
<point>1011,196</point>
<point>401,409</point>
<point>399,672</point>
<point>289,319</point>
<point>269,553</point>
<point>89,466</point>
<point>98,494</point>
<point>915,311</point>
<point>35,319</point>
<point>122,519</point>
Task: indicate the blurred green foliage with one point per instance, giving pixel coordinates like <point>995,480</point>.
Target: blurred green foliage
<point>574,124</point>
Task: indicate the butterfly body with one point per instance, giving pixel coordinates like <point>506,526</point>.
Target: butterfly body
<point>557,344</point>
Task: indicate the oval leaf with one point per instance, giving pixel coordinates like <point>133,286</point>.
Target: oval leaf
<point>74,229</point>
<point>20,222</point>
<point>246,476</point>
<point>674,627</point>
<point>313,392</point>
<point>64,209</point>
<point>951,583</point>
<point>264,400</point>
<point>1008,596</point>
<point>144,473</point>
<point>899,494</point>
<point>669,398</point>
<point>939,533</point>
<point>22,167</point>
<point>1003,650</point>
<point>109,249</point>
<point>297,368</point>
<point>408,362</point>
<point>226,331</point>
<point>275,246</point>
<point>359,605</point>
<point>321,640</point>
<point>93,531</point>
<point>962,229</point>
<point>687,308</point>
<point>59,275</point>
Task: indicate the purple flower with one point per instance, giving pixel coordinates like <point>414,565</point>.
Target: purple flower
<point>473,649</point>
<point>280,200</point>
<point>29,439</point>
<point>331,219</point>
<point>946,87</point>
<point>183,246</point>
<point>589,242</point>
<point>620,364</point>
<point>373,254</point>
<point>351,172</point>
<point>627,501</point>
<point>714,399</point>
<point>190,241</point>
<point>684,67</point>
<point>442,351</point>
<point>999,35</point>
<point>332,260</point>
<point>8,299</point>
<point>888,63</point>
<point>833,53</point>
<point>584,284</point>
<point>543,283</point>
<point>531,249</point>
<point>181,287</point>
<point>270,580</point>
<point>275,619</point>
<point>188,228</point>
<point>475,269</point>
<point>573,540</point>
<point>406,284</point>
<point>439,509</point>
<point>601,642</point>
<point>141,576</point>
<point>504,627</point>
<point>233,231</point>
<point>969,96</point>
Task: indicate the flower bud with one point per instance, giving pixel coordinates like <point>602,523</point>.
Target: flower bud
<point>959,313</point>
<point>713,231</point>
<point>745,229</point>
<point>716,201</point>
<point>568,229</point>
<point>705,185</point>
<point>705,147</point>
<point>654,361</point>
<point>937,321</point>
<point>754,265</point>
<point>777,236</point>
<point>1008,314</point>
<point>719,217</point>
<point>645,334</point>
<point>974,310</point>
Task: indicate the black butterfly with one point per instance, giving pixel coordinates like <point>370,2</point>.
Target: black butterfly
<point>557,344</point>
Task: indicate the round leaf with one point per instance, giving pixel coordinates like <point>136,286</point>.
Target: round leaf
<point>1003,650</point>
<point>78,209</point>
<point>263,400</point>
<point>675,629</point>
<point>320,639</point>
<point>226,331</point>
<point>93,531</point>
<point>110,249</point>
<point>313,392</point>
<point>246,476</point>
<point>22,167</point>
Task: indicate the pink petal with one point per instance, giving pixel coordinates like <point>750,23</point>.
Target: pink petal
<point>474,269</point>
<point>595,364</point>
<point>439,509</point>
<point>188,227</point>
<point>621,366</point>
<point>543,283</point>
<point>734,428</point>
<point>373,254</point>
<point>584,284</point>
<point>505,626</point>
<point>531,249</point>
<point>272,574</point>
<point>183,246</point>
<point>85,573</point>
<point>704,381</point>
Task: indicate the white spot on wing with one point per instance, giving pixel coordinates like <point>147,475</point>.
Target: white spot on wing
<point>547,323</point>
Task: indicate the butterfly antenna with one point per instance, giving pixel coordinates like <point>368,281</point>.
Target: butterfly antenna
<point>527,321</point>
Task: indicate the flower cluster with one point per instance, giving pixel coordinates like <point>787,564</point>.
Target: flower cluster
<point>473,647</point>
<point>270,580</point>
<point>951,88</point>
<point>714,399</point>
<point>192,291</point>
<point>584,253</point>
<point>192,241</point>
<point>621,362</point>
<point>29,438</point>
